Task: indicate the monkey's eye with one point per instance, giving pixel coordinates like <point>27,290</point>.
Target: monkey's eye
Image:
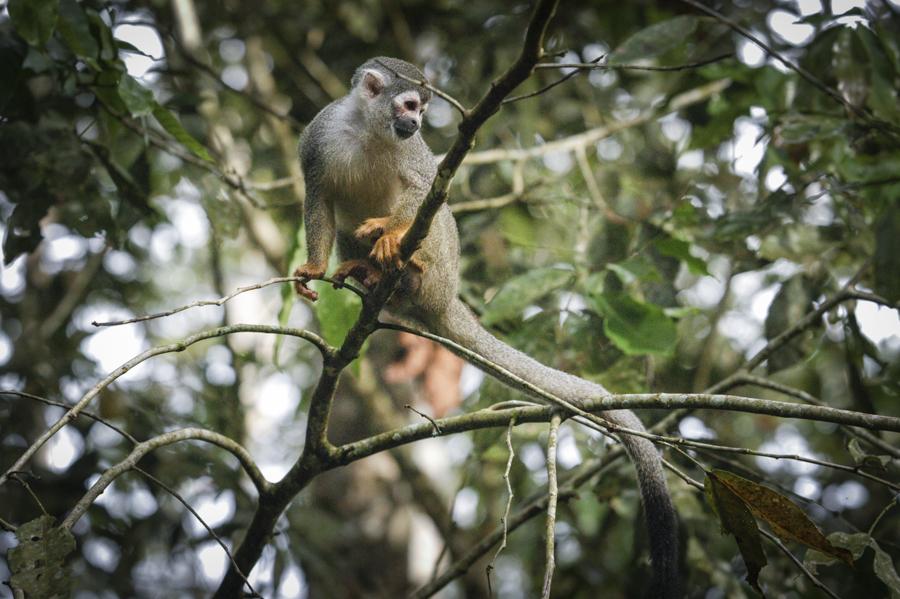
<point>411,105</point>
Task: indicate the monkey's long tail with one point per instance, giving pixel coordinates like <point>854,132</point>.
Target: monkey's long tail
<point>459,324</point>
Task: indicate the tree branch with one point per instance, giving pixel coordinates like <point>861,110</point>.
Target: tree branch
<point>552,497</point>
<point>142,449</point>
<point>179,346</point>
<point>758,381</point>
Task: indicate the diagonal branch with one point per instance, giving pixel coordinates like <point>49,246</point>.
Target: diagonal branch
<point>318,453</point>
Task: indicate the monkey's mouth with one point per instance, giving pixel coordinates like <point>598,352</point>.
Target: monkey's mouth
<point>405,128</point>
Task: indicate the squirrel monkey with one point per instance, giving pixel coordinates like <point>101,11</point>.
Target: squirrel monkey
<point>367,170</point>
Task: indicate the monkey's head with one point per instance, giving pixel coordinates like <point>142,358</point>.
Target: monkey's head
<point>392,104</point>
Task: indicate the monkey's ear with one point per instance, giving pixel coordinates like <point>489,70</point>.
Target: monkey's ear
<point>372,83</point>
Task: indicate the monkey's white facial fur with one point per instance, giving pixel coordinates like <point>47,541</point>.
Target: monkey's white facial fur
<point>408,111</point>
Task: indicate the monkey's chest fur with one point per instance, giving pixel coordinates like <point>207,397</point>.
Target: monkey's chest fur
<point>364,181</point>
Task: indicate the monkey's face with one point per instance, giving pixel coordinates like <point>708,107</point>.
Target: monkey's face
<point>394,106</point>
<point>408,111</point>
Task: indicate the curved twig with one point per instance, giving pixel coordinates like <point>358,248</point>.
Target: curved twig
<point>142,449</point>
<point>178,346</point>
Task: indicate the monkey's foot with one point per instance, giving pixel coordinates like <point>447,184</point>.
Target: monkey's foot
<point>417,263</point>
<point>371,228</point>
<point>363,271</point>
<point>308,272</point>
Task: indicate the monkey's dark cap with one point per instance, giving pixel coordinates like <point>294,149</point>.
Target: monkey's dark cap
<point>391,67</point>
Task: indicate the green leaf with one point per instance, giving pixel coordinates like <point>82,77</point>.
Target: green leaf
<point>109,52</point>
<point>337,310</point>
<point>784,517</point>
<point>38,562</point>
<point>737,520</point>
<point>638,268</point>
<point>517,225</point>
<point>75,30</point>
<point>636,327</point>
<point>876,464</point>
<point>171,124</point>
<point>34,20</point>
<point>655,40</point>
<point>681,250</point>
<point>519,292</point>
<point>106,88</point>
<point>137,98</point>
<point>856,544</point>
<point>887,254</point>
<point>884,570</point>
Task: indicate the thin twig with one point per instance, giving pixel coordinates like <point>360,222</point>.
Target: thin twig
<point>504,521</point>
<point>781,58</point>
<point>145,447</point>
<point>232,180</point>
<point>143,472</point>
<point>19,477</point>
<point>67,406</point>
<point>8,527</point>
<point>552,497</point>
<point>895,500</point>
<point>549,86</point>
<point>437,427</point>
<point>872,297</point>
<point>424,83</point>
<point>594,188</point>
<point>866,436</point>
<point>806,572</point>
<point>632,67</point>
<point>530,510</point>
<point>73,295</point>
<point>220,301</point>
<point>212,533</point>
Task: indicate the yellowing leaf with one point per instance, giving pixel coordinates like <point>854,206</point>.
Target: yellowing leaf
<point>784,517</point>
<point>736,519</point>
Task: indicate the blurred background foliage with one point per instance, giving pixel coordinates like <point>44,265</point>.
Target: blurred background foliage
<point>646,229</point>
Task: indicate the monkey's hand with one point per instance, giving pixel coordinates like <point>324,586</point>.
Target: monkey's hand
<point>371,228</point>
<point>308,272</point>
<point>386,251</point>
<point>364,271</point>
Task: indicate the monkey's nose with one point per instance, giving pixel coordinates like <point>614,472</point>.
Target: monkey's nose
<point>405,127</point>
